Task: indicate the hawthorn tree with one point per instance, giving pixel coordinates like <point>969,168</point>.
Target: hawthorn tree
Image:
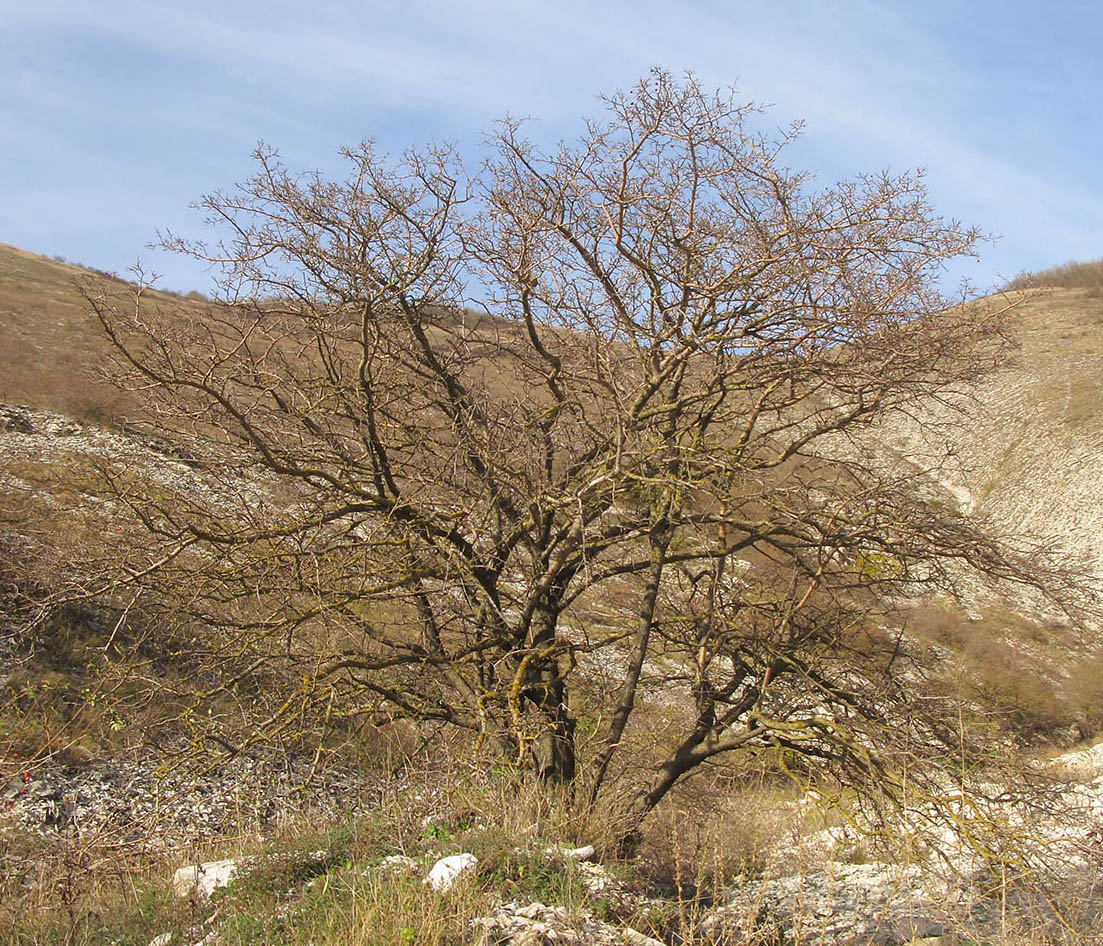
<point>498,450</point>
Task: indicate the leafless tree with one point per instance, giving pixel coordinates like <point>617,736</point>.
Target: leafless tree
<point>503,450</point>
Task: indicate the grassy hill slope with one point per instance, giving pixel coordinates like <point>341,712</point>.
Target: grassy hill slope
<point>1030,457</point>
<point>52,346</point>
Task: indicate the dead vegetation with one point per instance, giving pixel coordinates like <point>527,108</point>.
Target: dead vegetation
<point>399,512</point>
<point>377,517</point>
<point>53,353</point>
<point>1070,275</point>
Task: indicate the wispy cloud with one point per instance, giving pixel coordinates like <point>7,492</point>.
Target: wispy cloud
<point>178,93</point>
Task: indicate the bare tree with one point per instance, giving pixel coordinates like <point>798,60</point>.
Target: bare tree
<point>495,451</point>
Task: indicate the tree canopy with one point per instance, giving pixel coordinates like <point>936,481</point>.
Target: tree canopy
<point>507,449</point>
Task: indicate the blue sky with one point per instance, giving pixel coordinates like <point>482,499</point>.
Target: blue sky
<point>115,115</point>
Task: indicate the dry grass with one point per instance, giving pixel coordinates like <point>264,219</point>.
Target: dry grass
<point>1012,674</point>
<point>54,351</point>
<point>89,894</point>
<point>86,891</point>
<point>1071,275</point>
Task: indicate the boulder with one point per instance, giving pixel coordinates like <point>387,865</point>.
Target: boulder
<point>199,881</point>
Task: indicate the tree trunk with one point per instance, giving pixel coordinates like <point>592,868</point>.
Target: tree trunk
<point>626,697</point>
<point>553,751</point>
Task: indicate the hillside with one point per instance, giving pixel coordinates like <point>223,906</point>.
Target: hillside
<point>1029,460</point>
<point>1034,456</point>
<point>1030,455</point>
<point>52,346</point>
<point>739,844</point>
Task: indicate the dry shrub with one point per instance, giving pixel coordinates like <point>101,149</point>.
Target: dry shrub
<point>1083,692</point>
<point>83,889</point>
<point>1071,275</point>
<point>80,680</point>
<point>990,670</point>
<point>716,826</point>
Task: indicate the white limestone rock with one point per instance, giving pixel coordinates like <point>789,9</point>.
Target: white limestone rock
<point>199,881</point>
<point>1082,764</point>
<point>398,864</point>
<point>448,870</point>
<point>869,904</point>
<point>515,924</point>
<point>580,854</point>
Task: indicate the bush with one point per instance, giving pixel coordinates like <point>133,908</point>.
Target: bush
<point>1070,275</point>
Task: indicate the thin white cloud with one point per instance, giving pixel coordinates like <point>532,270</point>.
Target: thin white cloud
<point>879,83</point>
